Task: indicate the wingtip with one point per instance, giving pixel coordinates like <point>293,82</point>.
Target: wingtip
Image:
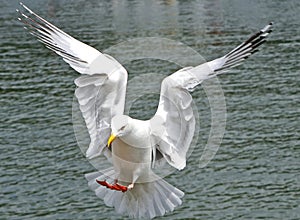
<point>267,28</point>
<point>26,8</point>
<point>20,14</point>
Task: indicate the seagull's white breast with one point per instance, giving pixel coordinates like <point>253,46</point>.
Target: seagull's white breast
<point>131,153</point>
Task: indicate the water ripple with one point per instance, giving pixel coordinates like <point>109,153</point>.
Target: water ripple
<point>255,174</point>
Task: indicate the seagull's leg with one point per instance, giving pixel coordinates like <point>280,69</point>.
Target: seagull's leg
<point>120,187</point>
<point>130,186</point>
<point>134,179</point>
<point>117,186</point>
<point>114,186</point>
<point>116,176</point>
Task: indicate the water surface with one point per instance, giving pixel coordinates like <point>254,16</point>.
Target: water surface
<point>256,172</point>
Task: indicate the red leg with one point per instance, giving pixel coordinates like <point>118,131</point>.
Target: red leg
<point>121,188</point>
<point>115,186</point>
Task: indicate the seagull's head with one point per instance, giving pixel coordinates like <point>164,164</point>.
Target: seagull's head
<point>120,127</point>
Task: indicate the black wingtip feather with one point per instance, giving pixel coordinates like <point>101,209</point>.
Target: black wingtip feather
<point>248,47</point>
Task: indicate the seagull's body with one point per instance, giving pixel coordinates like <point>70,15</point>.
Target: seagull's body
<point>131,153</point>
<point>134,145</point>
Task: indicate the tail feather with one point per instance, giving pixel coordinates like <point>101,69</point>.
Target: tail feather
<point>172,199</point>
<point>145,200</point>
<point>165,202</point>
<point>110,197</point>
<point>158,204</point>
<point>121,207</point>
<point>100,192</point>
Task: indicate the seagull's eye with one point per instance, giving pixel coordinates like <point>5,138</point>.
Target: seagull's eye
<point>122,128</point>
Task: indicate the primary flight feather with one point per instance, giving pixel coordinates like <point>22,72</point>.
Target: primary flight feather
<point>134,145</point>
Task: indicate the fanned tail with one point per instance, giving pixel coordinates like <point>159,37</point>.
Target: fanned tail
<point>145,200</point>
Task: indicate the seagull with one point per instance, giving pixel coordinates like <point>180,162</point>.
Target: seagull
<point>133,146</point>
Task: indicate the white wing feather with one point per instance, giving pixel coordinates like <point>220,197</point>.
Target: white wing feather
<point>173,125</point>
<point>101,90</point>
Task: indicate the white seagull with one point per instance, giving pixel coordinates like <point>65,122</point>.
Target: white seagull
<point>134,145</point>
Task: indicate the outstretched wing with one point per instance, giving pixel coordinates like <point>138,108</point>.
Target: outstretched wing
<point>173,126</point>
<point>102,87</point>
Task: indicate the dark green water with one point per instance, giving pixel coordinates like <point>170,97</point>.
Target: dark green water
<point>256,172</point>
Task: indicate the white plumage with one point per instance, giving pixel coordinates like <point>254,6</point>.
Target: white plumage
<point>136,144</point>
